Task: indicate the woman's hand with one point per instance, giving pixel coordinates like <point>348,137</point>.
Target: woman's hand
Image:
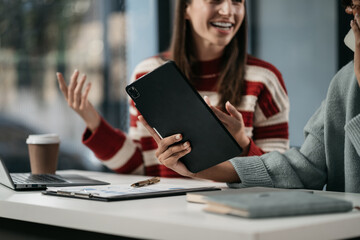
<point>78,99</point>
<point>169,154</point>
<point>233,122</point>
<point>170,150</point>
<point>355,25</point>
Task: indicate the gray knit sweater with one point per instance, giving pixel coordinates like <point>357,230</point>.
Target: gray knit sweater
<point>330,154</point>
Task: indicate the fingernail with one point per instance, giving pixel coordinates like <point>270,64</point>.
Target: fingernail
<point>177,137</point>
<point>76,70</point>
<point>185,144</point>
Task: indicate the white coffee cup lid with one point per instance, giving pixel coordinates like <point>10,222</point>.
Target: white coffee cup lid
<point>43,138</point>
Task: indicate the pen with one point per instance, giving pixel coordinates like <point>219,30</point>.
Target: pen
<point>146,182</point>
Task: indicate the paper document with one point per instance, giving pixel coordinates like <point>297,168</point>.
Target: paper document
<point>125,191</point>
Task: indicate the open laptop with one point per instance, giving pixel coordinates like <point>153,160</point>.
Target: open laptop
<point>27,181</point>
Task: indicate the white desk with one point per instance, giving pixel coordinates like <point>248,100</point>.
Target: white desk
<point>169,217</point>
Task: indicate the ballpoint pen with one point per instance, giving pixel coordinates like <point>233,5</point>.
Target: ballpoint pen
<point>146,182</point>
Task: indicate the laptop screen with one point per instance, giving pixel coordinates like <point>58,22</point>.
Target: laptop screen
<point>5,178</point>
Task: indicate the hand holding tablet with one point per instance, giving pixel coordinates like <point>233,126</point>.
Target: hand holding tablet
<point>170,105</point>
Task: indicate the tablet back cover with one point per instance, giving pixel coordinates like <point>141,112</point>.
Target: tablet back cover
<point>171,105</point>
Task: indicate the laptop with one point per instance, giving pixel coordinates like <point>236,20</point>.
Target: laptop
<point>28,181</point>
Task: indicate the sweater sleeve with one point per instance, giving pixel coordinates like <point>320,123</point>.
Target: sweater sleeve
<point>352,129</point>
<point>111,146</point>
<point>105,141</point>
<point>296,168</point>
<point>254,150</point>
<point>271,115</point>
<point>126,153</point>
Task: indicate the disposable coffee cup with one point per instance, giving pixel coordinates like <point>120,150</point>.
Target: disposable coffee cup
<point>43,153</point>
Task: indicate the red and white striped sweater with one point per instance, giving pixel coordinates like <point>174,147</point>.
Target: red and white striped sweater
<point>264,107</point>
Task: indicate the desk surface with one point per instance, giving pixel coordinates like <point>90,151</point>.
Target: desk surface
<point>169,217</point>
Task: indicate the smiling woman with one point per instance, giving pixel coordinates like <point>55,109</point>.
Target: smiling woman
<point>213,25</point>
<point>209,45</point>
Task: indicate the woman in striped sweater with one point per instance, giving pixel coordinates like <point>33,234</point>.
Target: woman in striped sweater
<point>209,46</point>
<point>328,159</point>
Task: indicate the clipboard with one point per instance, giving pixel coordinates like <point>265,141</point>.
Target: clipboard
<point>171,105</point>
<point>122,192</point>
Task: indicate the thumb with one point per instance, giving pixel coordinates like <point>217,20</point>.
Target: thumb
<point>233,111</point>
<point>207,100</point>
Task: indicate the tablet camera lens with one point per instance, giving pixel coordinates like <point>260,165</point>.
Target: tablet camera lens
<point>134,93</point>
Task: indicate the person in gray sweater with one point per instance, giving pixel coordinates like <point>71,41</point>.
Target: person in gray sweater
<point>329,156</point>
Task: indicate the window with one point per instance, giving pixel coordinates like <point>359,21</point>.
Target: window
<point>41,37</point>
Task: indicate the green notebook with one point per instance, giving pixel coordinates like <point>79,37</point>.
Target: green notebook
<point>201,197</point>
<point>275,204</point>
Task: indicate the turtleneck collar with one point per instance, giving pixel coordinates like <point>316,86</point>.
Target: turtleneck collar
<point>207,67</point>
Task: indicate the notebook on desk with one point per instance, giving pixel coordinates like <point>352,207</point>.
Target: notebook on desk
<point>275,204</point>
<point>201,197</point>
<point>28,181</point>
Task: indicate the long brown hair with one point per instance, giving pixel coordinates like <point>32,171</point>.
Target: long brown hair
<point>346,3</point>
<point>232,69</point>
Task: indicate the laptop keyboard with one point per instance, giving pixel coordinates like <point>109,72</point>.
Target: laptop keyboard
<point>38,178</point>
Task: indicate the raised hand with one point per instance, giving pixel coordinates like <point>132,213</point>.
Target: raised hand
<point>77,99</point>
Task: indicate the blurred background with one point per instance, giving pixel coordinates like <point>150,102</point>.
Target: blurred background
<point>106,39</point>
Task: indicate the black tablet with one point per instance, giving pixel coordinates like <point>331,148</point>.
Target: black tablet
<point>170,105</point>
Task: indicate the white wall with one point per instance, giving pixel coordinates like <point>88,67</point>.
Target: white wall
<point>299,38</point>
<point>142,32</point>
